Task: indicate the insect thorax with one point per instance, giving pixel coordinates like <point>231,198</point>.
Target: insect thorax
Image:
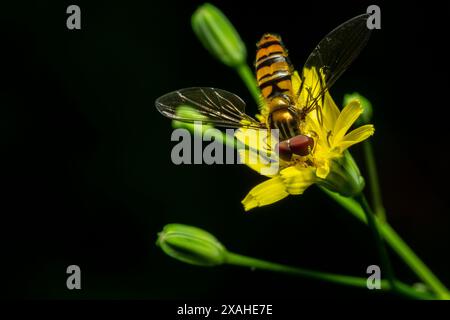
<point>282,118</point>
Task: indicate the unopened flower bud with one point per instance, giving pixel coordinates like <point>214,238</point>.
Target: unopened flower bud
<point>218,35</point>
<point>191,245</point>
<point>344,177</point>
<point>188,112</point>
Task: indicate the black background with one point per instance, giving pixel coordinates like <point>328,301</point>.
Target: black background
<point>86,170</point>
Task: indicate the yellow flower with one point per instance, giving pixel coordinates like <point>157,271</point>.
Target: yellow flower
<point>328,164</point>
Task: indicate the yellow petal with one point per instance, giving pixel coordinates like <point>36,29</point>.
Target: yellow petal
<point>261,140</point>
<point>323,170</point>
<point>322,160</point>
<point>296,82</point>
<point>311,86</point>
<point>247,136</point>
<point>313,127</point>
<point>330,112</point>
<point>259,153</point>
<point>259,117</point>
<point>356,136</point>
<point>296,178</point>
<point>345,120</point>
<point>265,193</point>
<point>264,165</point>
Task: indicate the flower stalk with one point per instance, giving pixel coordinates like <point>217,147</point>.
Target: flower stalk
<point>397,244</point>
<point>249,80</point>
<point>369,157</point>
<point>351,281</point>
<point>374,184</point>
<point>198,247</point>
<point>382,252</point>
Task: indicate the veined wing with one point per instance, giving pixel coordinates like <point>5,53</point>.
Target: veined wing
<point>330,59</point>
<point>209,105</point>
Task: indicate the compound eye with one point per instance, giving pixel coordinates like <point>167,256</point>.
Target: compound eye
<point>301,145</point>
<point>284,152</point>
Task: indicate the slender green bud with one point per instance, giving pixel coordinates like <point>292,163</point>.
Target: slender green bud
<point>218,35</point>
<point>200,127</point>
<point>344,177</point>
<point>366,116</point>
<point>188,112</point>
<point>191,245</point>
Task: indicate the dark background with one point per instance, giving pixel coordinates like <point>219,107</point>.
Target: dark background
<point>86,171</point>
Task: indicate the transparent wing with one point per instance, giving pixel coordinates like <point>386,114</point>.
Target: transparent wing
<point>210,105</point>
<point>331,58</point>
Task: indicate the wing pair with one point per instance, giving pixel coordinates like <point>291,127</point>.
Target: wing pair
<point>330,59</point>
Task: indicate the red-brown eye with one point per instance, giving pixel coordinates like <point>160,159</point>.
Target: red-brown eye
<point>301,145</point>
<point>284,151</point>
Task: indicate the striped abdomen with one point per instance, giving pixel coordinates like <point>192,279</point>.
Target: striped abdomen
<point>273,73</point>
<point>273,69</point>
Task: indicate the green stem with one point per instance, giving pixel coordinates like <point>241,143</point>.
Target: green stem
<point>248,77</point>
<point>244,261</point>
<point>371,166</point>
<point>382,252</point>
<point>397,244</point>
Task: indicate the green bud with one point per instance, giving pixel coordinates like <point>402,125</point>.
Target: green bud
<point>218,35</point>
<point>191,245</point>
<point>366,116</point>
<point>188,112</point>
<point>344,177</point>
<point>201,127</point>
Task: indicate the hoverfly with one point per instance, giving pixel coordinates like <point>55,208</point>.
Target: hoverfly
<point>274,72</point>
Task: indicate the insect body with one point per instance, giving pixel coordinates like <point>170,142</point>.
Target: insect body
<point>273,74</point>
<point>285,108</point>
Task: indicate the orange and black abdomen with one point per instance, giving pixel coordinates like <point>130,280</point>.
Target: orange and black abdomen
<point>273,69</point>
